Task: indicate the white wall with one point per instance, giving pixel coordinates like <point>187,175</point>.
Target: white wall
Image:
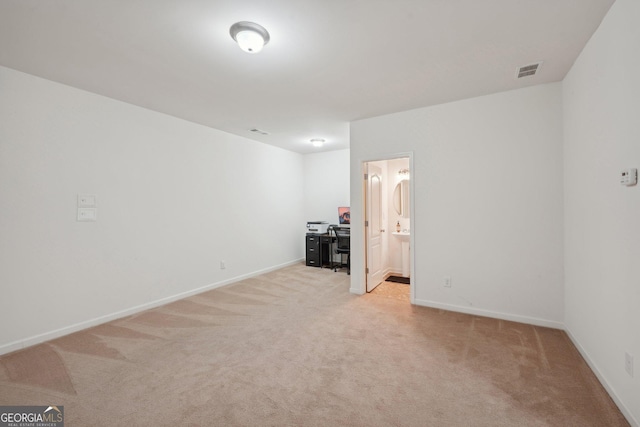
<point>326,185</point>
<point>488,196</point>
<point>174,199</point>
<point>602,218</point>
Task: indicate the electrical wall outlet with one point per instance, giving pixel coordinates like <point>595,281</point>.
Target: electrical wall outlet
<point>628,364</point>
<point>447,282</point>
<point>222,265</point>
<point>87,214</point>
<point>87,201</point>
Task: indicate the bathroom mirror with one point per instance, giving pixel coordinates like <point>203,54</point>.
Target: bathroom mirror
<point>401,198</point>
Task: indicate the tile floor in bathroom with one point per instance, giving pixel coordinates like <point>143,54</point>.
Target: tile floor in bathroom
<point>393,290</point>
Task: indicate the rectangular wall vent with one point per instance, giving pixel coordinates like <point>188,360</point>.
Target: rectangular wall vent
<point>528,70</point>
<point>261,132</point>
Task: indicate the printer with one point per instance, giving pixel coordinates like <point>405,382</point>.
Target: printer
<point>317,227</point>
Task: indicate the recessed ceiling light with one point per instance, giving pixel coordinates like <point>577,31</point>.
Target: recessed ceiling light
<point>251,37</point>
<point>317,142</point>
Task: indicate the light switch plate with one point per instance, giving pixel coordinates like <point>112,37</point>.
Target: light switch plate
<point>87,214</point>
<point>87,201</point>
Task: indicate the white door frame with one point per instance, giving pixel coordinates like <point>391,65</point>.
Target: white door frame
<point>412,219</point>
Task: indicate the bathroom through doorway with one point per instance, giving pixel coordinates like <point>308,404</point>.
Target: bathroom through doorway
<point>388,227</point>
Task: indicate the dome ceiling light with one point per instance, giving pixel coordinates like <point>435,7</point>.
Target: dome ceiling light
<point>317,142</point>
<point>250,36</point>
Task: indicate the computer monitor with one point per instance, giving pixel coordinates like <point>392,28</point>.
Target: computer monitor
<point>344,215</point>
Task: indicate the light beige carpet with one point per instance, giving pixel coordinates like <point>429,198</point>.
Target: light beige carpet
<point>294,348</point>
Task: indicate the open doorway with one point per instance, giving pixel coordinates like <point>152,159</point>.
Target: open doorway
<point>388,227</point>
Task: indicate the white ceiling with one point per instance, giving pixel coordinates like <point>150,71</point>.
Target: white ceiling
<point>328,62</point>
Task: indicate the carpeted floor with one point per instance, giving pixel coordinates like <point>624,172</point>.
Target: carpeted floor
<point>294,348</point>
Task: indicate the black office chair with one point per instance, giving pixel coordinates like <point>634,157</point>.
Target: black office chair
<point>343,246</point>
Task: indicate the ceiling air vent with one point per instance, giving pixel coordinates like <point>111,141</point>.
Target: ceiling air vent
<point>261,132</point>
<point>528,70</point>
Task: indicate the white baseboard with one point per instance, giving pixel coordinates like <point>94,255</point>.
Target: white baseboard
<point>594,367</point>
<point>494,314</point>
<point>37,339</point>
<point>393,273</point>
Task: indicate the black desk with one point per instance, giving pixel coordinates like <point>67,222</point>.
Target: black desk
<point>319,250</point>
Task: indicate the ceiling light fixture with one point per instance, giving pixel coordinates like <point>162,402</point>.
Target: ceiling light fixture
<point>250,36</point>
<point>317,142</point>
